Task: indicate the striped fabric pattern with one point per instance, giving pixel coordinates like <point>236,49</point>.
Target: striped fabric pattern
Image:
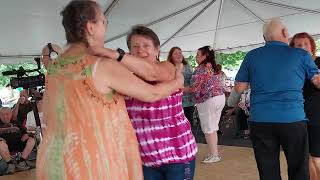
<point>163,132</point>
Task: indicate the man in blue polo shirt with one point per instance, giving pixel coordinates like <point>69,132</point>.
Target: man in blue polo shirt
<point>276,74</point>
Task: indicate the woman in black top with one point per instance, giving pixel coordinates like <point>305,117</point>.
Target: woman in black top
<point>311,105</point>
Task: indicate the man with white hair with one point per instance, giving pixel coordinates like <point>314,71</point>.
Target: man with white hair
<point>276,74</point>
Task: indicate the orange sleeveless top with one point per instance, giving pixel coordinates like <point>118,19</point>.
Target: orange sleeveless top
<point>89,135</point>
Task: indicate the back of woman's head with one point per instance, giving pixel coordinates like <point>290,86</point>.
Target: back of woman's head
<point>170,59</point>
<point>145,32</point>
<point>210,57</point>
<point>75,16</point>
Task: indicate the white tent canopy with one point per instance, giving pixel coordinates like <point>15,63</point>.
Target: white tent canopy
<point>225,24</point>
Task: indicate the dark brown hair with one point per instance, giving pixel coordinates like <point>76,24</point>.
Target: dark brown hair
<point>169,58</point>
<point>304,35</point>
<point>145,32</point>
<point>210,57</point>
<point>75,16</point>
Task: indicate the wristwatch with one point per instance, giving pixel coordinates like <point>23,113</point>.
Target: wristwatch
<point>52,53</point>
<point>121,54</point>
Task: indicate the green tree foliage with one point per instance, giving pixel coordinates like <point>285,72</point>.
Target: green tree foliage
<point>232,60</point>
<point>3,79</point>
<point>192,61</point>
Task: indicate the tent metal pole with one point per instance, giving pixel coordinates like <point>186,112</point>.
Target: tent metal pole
<point>237,47</point>
<point>251,12</point>
<point>226,27</point>
<point>217,25</point>
<point>244,46</point>
<point>110,7</point>
<point>159,20</point>
<point>20,56</point>
<point>287,6</point>
<point>225,49</point>
<point>190,21</point>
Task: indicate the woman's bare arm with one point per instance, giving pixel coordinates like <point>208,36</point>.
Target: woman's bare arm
<point>149,71</point>
<point>111,74</point>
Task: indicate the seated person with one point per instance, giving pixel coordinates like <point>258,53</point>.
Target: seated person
<point>13,138</point>
<point>22,108</point>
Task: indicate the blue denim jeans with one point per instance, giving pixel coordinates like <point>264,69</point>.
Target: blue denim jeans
<point>178,171</point>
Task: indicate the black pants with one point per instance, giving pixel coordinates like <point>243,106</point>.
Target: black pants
<point>188,112</point>
<point>241,120</point>
<point>292,137</point>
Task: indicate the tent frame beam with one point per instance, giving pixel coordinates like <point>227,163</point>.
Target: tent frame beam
<point>250,11</point>
<point>238,47</point>
<point>287,6</point>
<point>20,56</point>
<point>189,22</point>
<point>217,24</point>
<point>110,7</point>
<point>160,19</point>
<point>256,44</point>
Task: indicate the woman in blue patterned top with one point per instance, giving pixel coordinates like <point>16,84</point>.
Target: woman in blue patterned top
<point>175,57</point>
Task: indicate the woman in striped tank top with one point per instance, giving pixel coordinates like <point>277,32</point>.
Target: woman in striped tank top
<point>167,145</point>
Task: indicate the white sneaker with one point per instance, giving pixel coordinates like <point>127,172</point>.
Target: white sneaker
<point>211,159</point>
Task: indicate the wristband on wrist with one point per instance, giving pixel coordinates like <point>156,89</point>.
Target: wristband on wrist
<point>121,54</point>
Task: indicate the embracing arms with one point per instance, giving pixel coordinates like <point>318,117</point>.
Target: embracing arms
<point>110,74</point>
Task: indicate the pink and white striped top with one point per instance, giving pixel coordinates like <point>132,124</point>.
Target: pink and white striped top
<point>163,132</point>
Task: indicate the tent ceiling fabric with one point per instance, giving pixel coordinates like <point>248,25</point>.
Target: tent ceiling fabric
<point>28,25</point>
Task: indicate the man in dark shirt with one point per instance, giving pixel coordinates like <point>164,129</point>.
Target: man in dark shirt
<point>14,138</point>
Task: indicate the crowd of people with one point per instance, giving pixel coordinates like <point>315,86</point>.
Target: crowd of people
<point>107,114</point>
<point>16,143</point>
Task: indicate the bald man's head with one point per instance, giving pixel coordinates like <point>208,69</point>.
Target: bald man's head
<point>275,30</point>
<point>45,54</point>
